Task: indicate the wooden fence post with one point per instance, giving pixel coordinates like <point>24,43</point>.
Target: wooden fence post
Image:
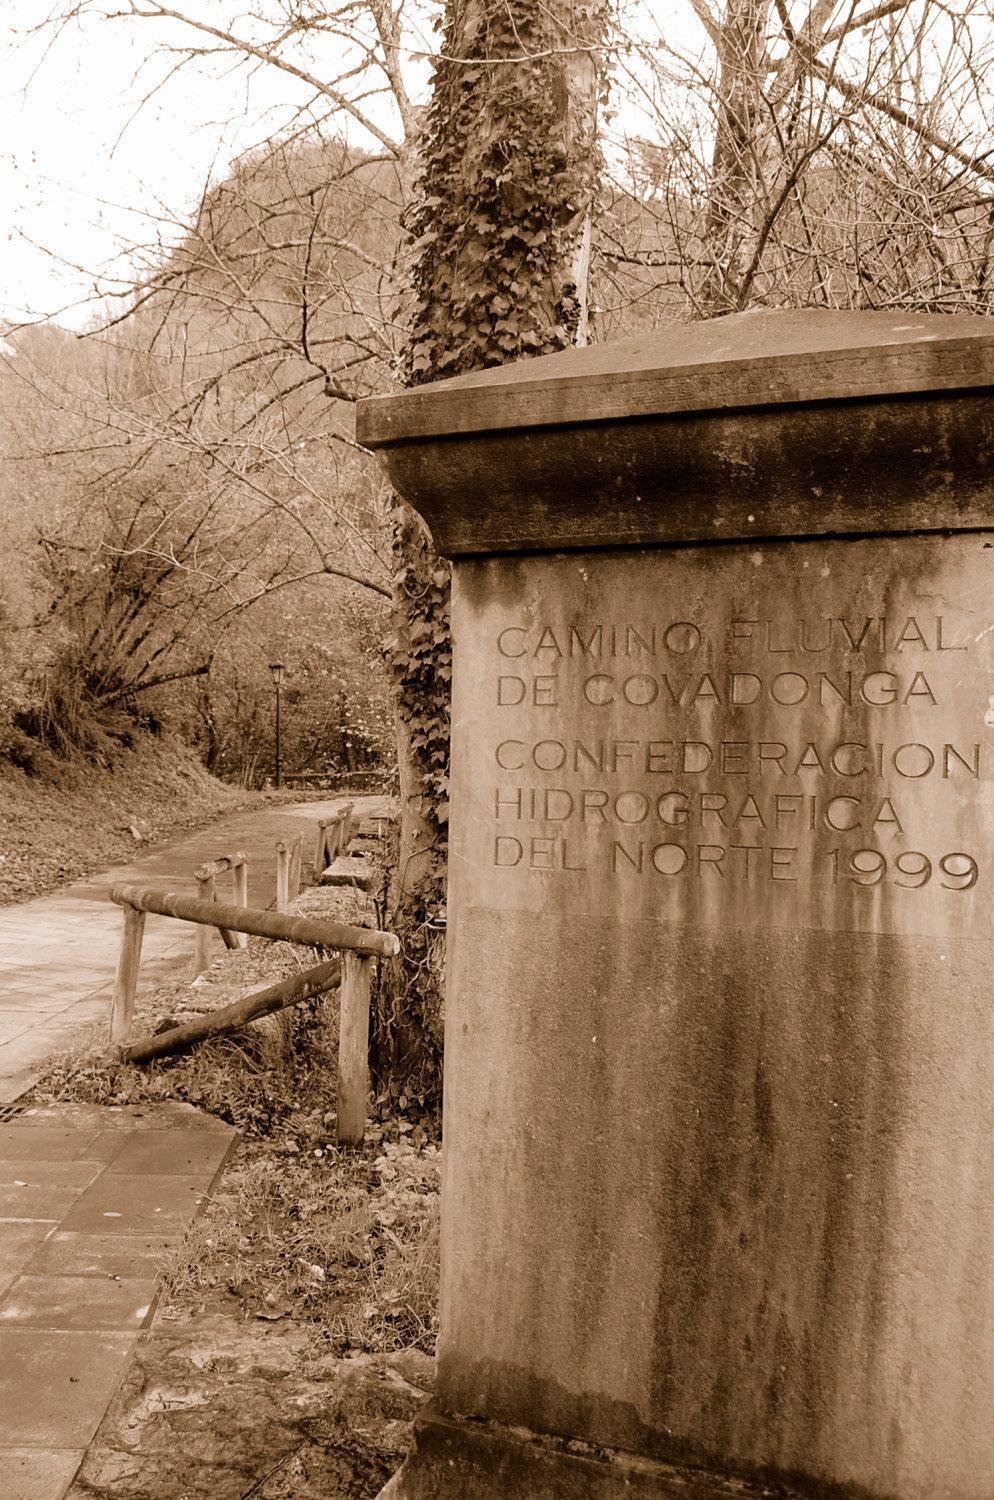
<point>122,1005</point>
<point>353,1048</point>
<point>241,895</point>
<point>345,829</point>
<point>321,850</point>
<point>296,853</point>
<point>282,876</point>
<point>203,935</point>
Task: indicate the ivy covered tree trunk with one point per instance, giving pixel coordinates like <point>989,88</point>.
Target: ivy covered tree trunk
<point>508,181</point>
<point>501,231</point>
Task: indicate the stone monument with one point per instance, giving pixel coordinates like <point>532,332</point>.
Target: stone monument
<point>718,1203</point>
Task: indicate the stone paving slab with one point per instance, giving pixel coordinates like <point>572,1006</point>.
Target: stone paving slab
<point>91,1200</point>
<point>68,1253</point>
<point>103,1119</point>
<point>157,1153</point>
<point>46,1142</point>
<point>131,1204</point>
<point>56,1384</point>
<point>37,1201</point>
<point>17,1171</point>
<point>24,997</point>
<point>111,1304</point>
<point>19,1240</point>
<point>36,1473</point>
<point>12,1025</point>
<point>31,1189</point>
<point>25,1073</point>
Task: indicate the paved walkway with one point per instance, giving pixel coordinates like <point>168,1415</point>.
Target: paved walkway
<point>58,953</point>
<point>90,1201</point>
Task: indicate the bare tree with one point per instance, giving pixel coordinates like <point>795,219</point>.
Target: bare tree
<point>817,153</point>
<point>293,291</point>
<point>501,222</point>
<point>171,512</point>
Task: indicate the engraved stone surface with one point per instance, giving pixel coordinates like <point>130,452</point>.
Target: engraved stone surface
<point>795,736</point>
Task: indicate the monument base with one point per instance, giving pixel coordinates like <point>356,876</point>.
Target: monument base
<point>453,1460</point>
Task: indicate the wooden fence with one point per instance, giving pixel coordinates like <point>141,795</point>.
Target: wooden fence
<point>206,875</point>
<point>288,857</point>
<point>329,781</point>
<point>334,836</point>
<point>351,972</point>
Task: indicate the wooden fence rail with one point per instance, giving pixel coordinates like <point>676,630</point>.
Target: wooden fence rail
<point>316,932</point>
<point>239,1013</point>
<point>334,835</point>
<point>358,947</point>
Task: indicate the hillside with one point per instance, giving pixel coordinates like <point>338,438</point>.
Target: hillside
<point>56,826</point>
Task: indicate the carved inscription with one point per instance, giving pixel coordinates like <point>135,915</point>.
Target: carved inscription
<point>835,751</point>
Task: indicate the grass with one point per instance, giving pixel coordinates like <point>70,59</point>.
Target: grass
<point>345,1241</point>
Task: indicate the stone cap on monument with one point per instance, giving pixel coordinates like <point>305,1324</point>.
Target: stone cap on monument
<point>764,424</point>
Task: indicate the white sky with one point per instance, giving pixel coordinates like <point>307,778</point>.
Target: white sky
<point>83,176</point>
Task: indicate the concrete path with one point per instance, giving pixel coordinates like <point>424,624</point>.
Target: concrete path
<point>58,953</point>
<point>90,1201</point>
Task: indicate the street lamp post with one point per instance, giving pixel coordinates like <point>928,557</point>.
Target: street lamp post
<point>277,668</point>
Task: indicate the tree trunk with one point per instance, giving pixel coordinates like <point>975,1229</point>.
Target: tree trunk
<point>737,161</point>
<point>502,229</point>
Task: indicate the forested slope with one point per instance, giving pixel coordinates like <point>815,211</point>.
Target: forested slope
<point>70,817</point>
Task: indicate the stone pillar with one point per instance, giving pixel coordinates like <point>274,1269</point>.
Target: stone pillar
<point>719,1092</point>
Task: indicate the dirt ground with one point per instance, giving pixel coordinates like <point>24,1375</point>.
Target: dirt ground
<point>65,820</point>
<point>219,1408</point>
